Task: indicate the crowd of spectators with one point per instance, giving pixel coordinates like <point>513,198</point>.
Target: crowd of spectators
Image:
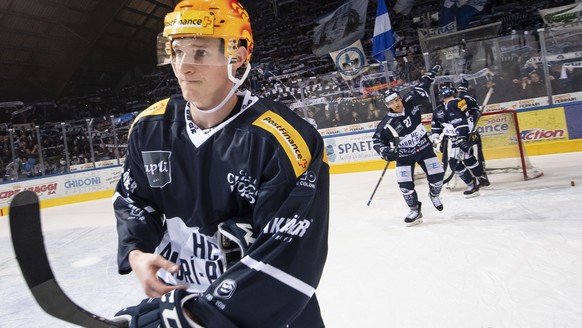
<point>285,70</point>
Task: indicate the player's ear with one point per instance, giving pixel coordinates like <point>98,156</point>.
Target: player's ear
<point>241,56</point>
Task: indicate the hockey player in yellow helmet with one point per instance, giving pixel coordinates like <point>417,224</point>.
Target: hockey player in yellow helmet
<point>223,203</point>
<point>206,36</point>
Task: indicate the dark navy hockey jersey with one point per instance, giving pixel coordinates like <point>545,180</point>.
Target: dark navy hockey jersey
<point>406,125</point>
<point>451,119</point>
<point>256,186</point>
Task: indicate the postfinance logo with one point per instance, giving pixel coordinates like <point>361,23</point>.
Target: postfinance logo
<point>289,138</point>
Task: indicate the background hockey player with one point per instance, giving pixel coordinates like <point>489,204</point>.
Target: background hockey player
<point>222,208</point>
<point>473,114</point>
<point>449,120</point>
<point>401,137</point>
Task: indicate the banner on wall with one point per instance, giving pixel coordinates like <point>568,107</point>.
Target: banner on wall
<point>561,15</point>
<point>543,125</point>
<point>63,185</point>
<point>518,104</point>
<point>356,147</point>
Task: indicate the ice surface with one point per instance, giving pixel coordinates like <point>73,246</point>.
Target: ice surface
<point>511,257</point>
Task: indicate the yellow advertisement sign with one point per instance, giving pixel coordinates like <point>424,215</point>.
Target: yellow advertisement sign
<point>543,126</point>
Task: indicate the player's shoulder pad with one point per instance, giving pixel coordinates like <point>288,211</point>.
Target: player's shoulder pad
<point>159,108</point>
<point>462,105</point>
<point>289,136</point>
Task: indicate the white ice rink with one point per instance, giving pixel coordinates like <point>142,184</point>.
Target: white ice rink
<point>509,258</point>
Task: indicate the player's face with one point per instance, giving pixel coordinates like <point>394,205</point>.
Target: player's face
<point>396,105</point>
<point>201,70</point>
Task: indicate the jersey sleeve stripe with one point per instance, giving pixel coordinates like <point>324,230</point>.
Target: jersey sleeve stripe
<point>283,277</point>
<point>155,109</point>
<point>290,139</point>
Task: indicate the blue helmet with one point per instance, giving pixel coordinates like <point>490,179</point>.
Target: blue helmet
<point>447,91</point>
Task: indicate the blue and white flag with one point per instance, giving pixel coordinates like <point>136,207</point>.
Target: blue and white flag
<point>383,38</point>
<point>461,11</point>
<point>340,28</point>
<point>350,61</point>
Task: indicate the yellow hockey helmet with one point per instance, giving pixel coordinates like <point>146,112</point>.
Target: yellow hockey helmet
<point>226,19</point>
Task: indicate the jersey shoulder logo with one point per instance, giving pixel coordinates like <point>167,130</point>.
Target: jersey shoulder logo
<point>462,105</point>
<point>158,108</point>
<point>289,138</point>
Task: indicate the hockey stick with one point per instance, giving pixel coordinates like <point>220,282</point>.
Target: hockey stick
<point>395,143</point>
<point>378,184</point>
<point>485,102</point>
<point>28,242</point>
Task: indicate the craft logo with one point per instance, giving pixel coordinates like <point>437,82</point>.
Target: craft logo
<point>157,167</point>
<point>225,290</point>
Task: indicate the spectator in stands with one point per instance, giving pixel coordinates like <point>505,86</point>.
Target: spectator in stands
<point>374,113</point>
<point>573,77</point>
<point>536,87</point>
<point>356,118</point>
<point>337,119</point>
<point>520,87</point>
<point>12,171</point>
<point>327,120</point>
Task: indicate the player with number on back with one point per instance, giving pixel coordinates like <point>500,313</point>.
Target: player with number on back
<point>404,123</point>
<point>223,204</point>
<point>449,120</point>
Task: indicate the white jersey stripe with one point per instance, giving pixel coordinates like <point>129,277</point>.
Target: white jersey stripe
<point>283,277</point>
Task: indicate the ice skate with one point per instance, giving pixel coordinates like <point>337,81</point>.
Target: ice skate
<point>472,190</point>
<point>436,201</point>
<point>415,216</point>
<point>484,181</point>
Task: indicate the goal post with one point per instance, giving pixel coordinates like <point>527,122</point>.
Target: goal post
<point>503,147</point>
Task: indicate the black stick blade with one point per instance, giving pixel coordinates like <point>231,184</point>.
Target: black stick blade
<point>28,242</point>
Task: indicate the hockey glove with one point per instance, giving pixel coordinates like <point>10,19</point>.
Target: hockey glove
<point>463,144</point>
<point>166,311</point>
<point>437,141</point>
<point>433,72</point>
<point>389,154</point>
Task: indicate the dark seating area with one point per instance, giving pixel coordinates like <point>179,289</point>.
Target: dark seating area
<point>285,69</point>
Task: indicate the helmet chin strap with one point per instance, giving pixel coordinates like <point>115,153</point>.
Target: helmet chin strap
<point>237,84</point>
